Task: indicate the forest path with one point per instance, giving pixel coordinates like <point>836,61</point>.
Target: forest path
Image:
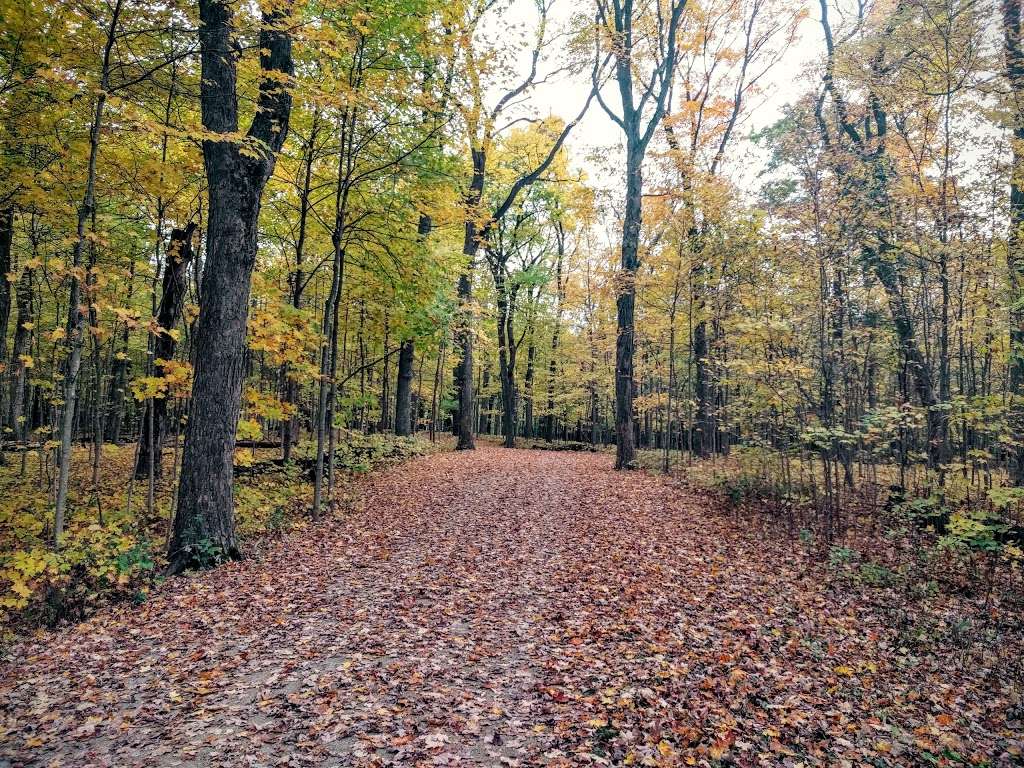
<point>487,608</point>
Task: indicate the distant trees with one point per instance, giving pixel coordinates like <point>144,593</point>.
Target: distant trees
<point>483,129</point>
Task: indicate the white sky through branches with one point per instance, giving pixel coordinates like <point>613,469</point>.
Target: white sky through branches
<point>596,145</point>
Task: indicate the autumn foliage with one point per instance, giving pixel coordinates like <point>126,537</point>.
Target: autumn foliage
<point>767,253</point>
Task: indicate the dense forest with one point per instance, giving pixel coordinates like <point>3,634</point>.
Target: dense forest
<point>255,249</point>
<point>322,220</point>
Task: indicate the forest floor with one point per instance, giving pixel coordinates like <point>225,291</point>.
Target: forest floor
<point>519,608</point>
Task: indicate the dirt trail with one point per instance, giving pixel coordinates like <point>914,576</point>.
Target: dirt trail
<point>500,608</point>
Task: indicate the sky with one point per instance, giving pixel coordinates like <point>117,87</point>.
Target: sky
<point>596,144</point>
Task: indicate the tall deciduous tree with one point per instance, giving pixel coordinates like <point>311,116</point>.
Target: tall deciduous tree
<point>237,171</point>
<point>76,318</point>
<point>1014,63</point>
<point>642,40</point>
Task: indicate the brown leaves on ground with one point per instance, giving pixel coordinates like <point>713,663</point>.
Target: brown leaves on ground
<point>512,608</point>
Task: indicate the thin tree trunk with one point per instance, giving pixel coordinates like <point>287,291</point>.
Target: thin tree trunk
<point>119,374</point>
<point>75,322</point>
<point>177,259</point>
<point>549,420</point>
<point>24,322</point>
<point>6,241</point>
<point>531,354</point>
<point>441,355</point>
<point>404,418</point>
<point>464,327</point>
<point>625,451</point>
<point>327,360</point>
<point>290,432</point>
<point>385,379</point>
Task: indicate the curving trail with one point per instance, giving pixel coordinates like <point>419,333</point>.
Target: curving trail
<point>501,608</point>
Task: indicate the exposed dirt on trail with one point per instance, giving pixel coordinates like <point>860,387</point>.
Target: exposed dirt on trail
<point>506,608</point>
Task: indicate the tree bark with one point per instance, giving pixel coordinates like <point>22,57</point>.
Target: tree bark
<point>879,250</point>
<point>406,357</point>
<point>704,428</point>
<point>76,320</point>
<point>618,19</point>
<point>119,375</point>
<point>403,389</point>
<point>531,354</point>
<point>6,241</point>
<point>506,362</point>
<point>464,326</point>
<point>549,419</point>
<point>290,431</point>
<point>22,344</point>
<point>204,520</point>
<point>1014,61</point>
<point>385,379</point>
<point>625,449</point>
<point>177,258</point>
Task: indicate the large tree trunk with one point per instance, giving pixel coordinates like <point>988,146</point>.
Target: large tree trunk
<point>204,520</point>
<point>654,92</point>
<point>625,450</point>
<point>403,389</point>
<point>1015,238</point>
<point>178,257</point>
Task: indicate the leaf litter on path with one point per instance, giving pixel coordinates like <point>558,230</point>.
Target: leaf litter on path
<point>512,608</point>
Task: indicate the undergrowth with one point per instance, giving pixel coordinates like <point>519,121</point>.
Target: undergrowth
<point>882,531</point>
<point>114,541</point>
